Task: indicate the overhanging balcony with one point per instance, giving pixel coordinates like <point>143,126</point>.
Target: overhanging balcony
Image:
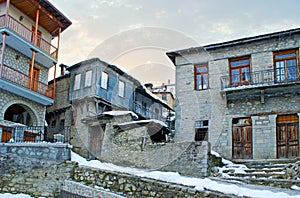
<point>263,78</point>
<point>24,40</point>
<point>21,84</point>
<point>261,84</point>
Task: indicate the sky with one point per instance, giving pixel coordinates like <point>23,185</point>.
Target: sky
<point>136,34</point>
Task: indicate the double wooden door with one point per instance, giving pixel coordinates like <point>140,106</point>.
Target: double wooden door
<point>287,140</point>
<point>242,142</point>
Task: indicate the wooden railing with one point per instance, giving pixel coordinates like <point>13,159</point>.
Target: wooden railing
<point>25,81</point>
<point>17,27</point>
<point>261,78</point>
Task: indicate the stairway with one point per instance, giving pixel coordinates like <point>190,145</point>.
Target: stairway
<point>256,170</point>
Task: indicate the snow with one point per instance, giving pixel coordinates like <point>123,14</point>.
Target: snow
<point>119,113</point>
<point>8,195</point>
<point>154,96</point>
<point>144,121</point>
<point>294,187</point>
<point>174,177</point>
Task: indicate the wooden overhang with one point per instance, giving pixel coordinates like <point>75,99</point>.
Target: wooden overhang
<point>50,18</point>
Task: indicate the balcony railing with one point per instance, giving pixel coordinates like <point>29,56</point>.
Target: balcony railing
<point>25,81</point>
<point>261,78</point>
<point>28,35</point>
<point>60,134</point>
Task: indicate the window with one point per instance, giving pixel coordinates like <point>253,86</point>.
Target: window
<point>285,65</point>
<point>77,81</point>
<point>201,130</point>
<point>164,96</point>
<point>121,88</point>
<point>104,80</point>
<point>240,71</point>
<point>201,76</point>
<point>88,78</point>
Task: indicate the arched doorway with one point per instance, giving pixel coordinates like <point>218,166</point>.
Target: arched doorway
<point>19,114</point>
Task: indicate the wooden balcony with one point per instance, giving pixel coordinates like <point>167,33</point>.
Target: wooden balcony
<point>263,78</point>
<point>14,76</point>
<point>27,34</point>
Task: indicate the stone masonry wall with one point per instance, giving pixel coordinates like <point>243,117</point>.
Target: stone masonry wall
<point>125,148</point>
<point>36,170</point>
<point>37,111</point>
<point>129,185</point>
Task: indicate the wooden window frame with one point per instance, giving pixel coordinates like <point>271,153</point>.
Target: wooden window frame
<point>201,84</point>
<point>77,83</point>
<point>102,85</point>
<point>88,81</point>
<point>120,92</point>
<point>296,57</point>
<point>242,78</point>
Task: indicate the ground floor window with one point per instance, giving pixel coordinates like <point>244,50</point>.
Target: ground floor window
<point>201,130</point>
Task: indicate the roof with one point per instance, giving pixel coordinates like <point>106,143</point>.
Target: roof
<point>50,17</point>
<point>173,54</point>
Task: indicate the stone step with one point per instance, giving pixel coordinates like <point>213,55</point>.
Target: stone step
<point>267,170</point>
<point>277,175</point>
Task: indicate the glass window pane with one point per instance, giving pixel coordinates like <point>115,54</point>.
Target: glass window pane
<point>104,80</point>
<point>88,78</point>
<point>121,88</point>
<point>77,81</point>
<point>235,77</point>
<point>198,82</point>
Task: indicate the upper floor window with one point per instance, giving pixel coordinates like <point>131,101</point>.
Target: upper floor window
<point>77,81</point>
<point>164,96</point>
<point>201,130</point>
<point>121,88</point>
<point>104,80</point>
<point>240,70</point>
<point>88,78</point>
<point>201,76</point>
<point>285,65</point>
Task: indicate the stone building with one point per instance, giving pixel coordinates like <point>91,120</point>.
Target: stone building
<point>27,53</point>
<point>242,96</point>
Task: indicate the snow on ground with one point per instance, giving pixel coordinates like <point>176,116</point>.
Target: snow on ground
<point>8,195</point>
<point>198,183</point>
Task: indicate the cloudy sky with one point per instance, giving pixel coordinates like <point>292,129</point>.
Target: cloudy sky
<point>135,34</point>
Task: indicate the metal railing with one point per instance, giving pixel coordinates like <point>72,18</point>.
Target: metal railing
<point>52,134</point>
<point>24,80</point>
<point>147,113</point>
<point>261,78</point>
<point>29,35</point>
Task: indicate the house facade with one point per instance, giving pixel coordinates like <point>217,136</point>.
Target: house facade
<point>242,96</point>
<point>27,53</point>
<point>97,87</point>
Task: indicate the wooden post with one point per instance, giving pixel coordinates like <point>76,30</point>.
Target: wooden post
<point>33,52</point>
<point>4,38</point>
<point>58,42</point>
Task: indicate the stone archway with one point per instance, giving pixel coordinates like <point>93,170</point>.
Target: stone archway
<point>20,112</point>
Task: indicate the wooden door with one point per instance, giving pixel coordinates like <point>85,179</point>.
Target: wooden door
<point>287,140</point>
<point>35,78</point>
<point>96,139</point>
<point>242,142</point>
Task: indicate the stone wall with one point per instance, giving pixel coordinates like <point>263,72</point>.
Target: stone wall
<point>35,170</point>
<point>129,185</point>
<point>125,148</point>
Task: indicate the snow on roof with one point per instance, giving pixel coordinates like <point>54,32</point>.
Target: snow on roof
<point>200,184</point>
<point>155,97</point>
<point>144,122</point>
<point>120,113</point>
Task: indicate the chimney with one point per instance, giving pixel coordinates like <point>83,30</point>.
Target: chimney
<point>62,69</point>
